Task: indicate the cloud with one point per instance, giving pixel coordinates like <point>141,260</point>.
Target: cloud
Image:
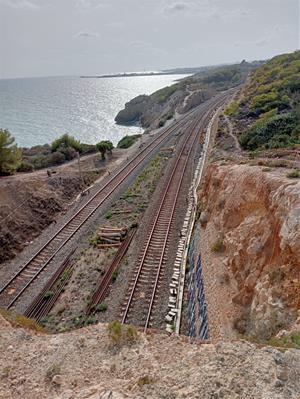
<point>204,9</point>
<point>176,8</point>
<point>90,4</point>
<point>139,43</point>
<point>87,35</point>
<point>115,24</point>
<point>31,4</point>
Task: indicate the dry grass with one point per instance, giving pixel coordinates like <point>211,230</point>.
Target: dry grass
<point>22,321</point>
<point>120,334</point>
<point>218,246</point>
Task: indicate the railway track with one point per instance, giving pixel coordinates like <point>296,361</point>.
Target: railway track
<point>13,289</point>
<point>149,270</point>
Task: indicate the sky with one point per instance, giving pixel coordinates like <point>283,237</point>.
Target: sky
<point>91,37</point>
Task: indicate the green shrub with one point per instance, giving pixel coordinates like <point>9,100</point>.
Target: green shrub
<point>121,334</point>
<point>108,215</point>
<point>25,166</point>
<point>114,330</point>
<point>66,141</point>
<point>53,370</point>
<point>272,133</point>
<point>131,334</point>
<point>163,94</point>
<point>128,141</point>
<point>102,307</point>
<point>294,174</point>
<point>145,380</point>
<point>218,246</point>
<point>232,108</point>
<point>104,146</point>
<point>10,154</point>
<point>289,341</point>
<point>115,275</point>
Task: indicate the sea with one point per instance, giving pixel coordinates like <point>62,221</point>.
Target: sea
<point>38,110</point>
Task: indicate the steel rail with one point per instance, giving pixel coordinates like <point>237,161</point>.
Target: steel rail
<point>162,203</point>
<point>199,122</point>
<point>146,151</point>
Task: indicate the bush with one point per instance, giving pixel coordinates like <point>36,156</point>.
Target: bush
<point>68,152</point>
<point>131,334</point>
<point>289,341</point>
<point>145,380</point>
<point>294,174</point>
<point>274,132</point>
<point>25,166</point>
<point>10,154</point>
<point>128,141</point>
<point>163,94</point>
<point>55,369</point>
<point>121,334</point>
<point>114,330</point>
<point>66,141</point>
<point>104,146</point>
<point>115,275</point>
<point>218,246</point>
<point>102,307</point>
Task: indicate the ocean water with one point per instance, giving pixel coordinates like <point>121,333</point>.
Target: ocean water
<point>38,110</point>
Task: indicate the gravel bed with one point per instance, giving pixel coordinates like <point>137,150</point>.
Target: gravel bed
<point>79,241</point>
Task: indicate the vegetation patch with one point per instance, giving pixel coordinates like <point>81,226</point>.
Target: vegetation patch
<point>293,174</point>
<point>145,380</point>
<point>271,105</point>
<point>120,334</point>
<point>128,141</point>
<point>218,246</point>
<point>21,321</point>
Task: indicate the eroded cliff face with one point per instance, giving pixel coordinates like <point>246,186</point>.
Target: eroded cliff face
<point>251,218</point>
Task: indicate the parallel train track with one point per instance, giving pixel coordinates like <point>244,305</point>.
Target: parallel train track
<point>142,295</point>
<point>12,290</point>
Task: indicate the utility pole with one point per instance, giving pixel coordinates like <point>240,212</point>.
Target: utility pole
<point>80,172</point>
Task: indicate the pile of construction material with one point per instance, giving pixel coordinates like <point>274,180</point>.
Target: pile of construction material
<point>111,236</point>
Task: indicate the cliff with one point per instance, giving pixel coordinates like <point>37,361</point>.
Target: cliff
<point>154,110</point>
<point>86,364</point>
<point>250,231</point>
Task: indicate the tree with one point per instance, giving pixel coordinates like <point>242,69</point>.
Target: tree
<point>10,154</point>
<point>110,146</point>
<point>66,141</point>
<point>104,146</point>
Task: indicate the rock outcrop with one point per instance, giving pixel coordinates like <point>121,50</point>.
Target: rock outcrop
<point>194,99</point>
<point>84,364</point>
<point>133,110</point>
<point>255,214</point>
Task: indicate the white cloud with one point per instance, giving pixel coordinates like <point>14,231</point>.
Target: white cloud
<point>32,4</point>
<point>204,9</point>
<point>87,35</point>
<point>139,43</point>
<point>177,7</point>
<point>89,4</point>
<point>115,24</point>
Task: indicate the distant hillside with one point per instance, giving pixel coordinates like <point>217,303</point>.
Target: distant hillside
<point>154,110</point>
<point>269,110</point>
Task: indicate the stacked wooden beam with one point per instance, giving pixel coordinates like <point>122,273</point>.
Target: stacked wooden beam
<point>111,236</point>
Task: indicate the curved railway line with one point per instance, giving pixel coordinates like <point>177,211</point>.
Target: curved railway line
<point>150,266</point>
<point>12,290</point>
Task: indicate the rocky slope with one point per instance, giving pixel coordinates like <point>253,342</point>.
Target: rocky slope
<point>85,364</point>
<point>153,111</point>
<point>250,224</point>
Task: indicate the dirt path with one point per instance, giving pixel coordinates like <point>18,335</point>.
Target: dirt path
<point>230,132</point>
